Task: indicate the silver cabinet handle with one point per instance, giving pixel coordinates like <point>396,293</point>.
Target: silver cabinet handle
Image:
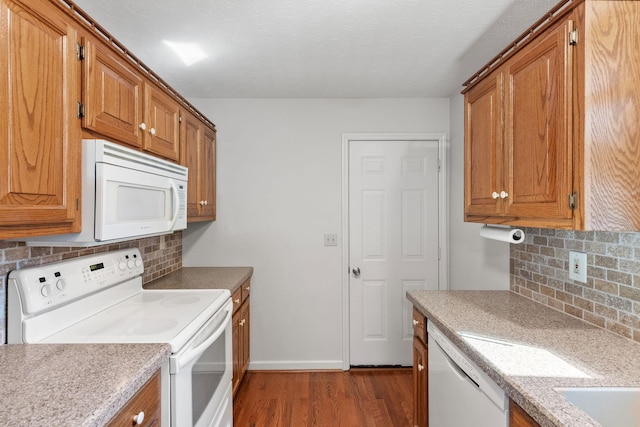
<point>356,271</point>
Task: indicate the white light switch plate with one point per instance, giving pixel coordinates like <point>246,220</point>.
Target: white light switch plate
<point>331,240</point>
<point>578,266</point>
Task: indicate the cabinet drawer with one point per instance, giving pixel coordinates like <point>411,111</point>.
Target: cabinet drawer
<point>419,325</point>
<point>147,400</point>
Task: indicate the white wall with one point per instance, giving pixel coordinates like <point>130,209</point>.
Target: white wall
<point>474,262</point>
<point>279,192</point>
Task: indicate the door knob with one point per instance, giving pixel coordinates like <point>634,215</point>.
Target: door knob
<point>356,271</point>
<point>495,195</point>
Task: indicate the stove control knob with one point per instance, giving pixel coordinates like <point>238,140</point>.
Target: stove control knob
<point>60,284</point>
<point>130,264</point>
<point>45,290</point>
<point>138,263</point>
<point>122,265</point>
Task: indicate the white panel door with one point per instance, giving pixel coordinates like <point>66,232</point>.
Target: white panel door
<point>393,244</point>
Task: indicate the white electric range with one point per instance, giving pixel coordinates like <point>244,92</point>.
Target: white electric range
<point>99,299</point>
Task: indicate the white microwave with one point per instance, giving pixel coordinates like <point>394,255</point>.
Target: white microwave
<point>126,194</point>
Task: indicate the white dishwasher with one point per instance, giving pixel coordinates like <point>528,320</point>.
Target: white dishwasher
<point>460,394</point>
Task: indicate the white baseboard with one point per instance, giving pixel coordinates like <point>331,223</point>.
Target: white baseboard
<point>295,365</point>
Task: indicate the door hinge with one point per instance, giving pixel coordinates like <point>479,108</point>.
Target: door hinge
<point>573,200</point>
<point>80,51</point>
<point>80,110</point>
<point>573,37</point>
<point>77,204</point>
<point>439,165</point>
<point>439,253</point>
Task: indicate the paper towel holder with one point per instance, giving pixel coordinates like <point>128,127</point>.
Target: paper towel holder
<point>502,233</point>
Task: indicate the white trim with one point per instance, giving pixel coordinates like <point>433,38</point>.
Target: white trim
<point>295,365</point>
<point>443,216</point>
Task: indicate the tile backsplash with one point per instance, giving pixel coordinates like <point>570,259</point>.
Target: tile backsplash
<point>611,297</point>
<point>161,255</point>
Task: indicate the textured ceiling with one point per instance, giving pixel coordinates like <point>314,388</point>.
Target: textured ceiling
<point>317,48</point>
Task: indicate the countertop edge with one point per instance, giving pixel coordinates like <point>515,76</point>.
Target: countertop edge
<point>538,412</point>
<point>103,414</point>
<point>230,278</point>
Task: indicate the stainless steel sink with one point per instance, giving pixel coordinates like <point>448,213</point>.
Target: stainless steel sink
<point>610,406</point>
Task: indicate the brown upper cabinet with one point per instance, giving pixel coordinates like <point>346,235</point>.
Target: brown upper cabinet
<point>111,94</point>
<point>161,126</point>
<point>120,104</point>
<point>551,134</point>
<point>39,146</point>
<point>199,155</point>
<point>64,78</point>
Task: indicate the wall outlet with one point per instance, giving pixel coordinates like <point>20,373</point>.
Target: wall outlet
<point>578,266</point>
<point>331,240</point>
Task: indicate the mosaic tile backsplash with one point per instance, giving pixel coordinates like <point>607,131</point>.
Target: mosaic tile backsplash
<point>611,297</point>
<point>161,255</point>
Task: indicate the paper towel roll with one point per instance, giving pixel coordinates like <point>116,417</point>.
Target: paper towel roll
<point>510,235</point>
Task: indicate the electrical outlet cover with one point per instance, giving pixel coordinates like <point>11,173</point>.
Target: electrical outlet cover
<point>578,266</point>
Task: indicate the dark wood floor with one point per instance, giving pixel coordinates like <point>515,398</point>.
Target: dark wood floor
<point>359,397</point>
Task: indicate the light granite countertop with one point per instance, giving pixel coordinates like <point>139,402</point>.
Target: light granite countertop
<point>552,349</point>
<point>203,278</point>
<point>72,384</point>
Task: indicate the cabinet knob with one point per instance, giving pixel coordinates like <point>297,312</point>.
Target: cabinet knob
<point>236,301</point>
<point>248,288</point>
<point>152,131</point>
<point>143,126</point>
<point>504,194</point>
<point>415,322</point>
<point>203,202</point>
<point>420,367</point>
<point>138,419</point>
<point>495,195</point>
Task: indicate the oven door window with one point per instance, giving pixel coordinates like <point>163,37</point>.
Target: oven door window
<point>199,382</point>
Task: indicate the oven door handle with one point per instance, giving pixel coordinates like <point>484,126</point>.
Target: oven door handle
<point>192,353</point>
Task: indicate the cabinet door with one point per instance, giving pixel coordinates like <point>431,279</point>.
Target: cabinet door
<point>537,132</point>
<point>192,136</point>
<point>483,147</point>
<point>518,417</point>
<point>236,351</point>
<point>420,384</point>
<point>40,131</point>
<point>146,400</point>
<point>112,93</point>
<point>199,151</point>
<point>245,338</point>
<point>162,122</point>
<point>208,174</point>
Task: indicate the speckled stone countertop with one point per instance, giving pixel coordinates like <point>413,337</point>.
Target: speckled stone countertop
<point>203,278</point>
<point>555,349</point>
<point>72,384</point>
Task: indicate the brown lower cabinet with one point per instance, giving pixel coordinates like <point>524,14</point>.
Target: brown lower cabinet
<point>420,376</point>
<point>518,417</point>
<point>146,401</point>
<point>240,333</point>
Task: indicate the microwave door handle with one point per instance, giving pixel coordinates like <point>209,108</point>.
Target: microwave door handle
<point>192,353</point>
<point>176,203</point>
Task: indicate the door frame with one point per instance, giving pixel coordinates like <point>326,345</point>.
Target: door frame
<point>443,218</point>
